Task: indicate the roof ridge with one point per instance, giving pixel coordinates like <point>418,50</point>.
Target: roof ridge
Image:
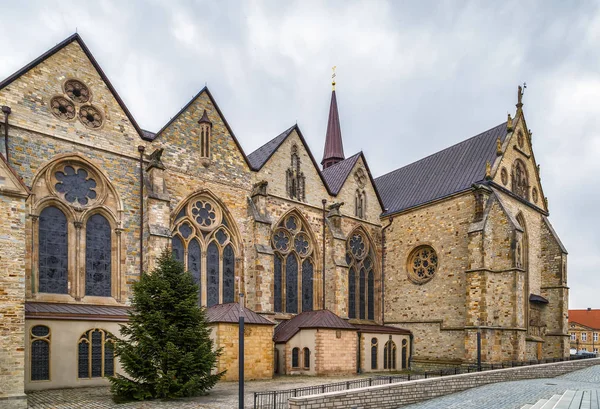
<point>272,139</point>
<point>442,150</point>
<point>344,160</point>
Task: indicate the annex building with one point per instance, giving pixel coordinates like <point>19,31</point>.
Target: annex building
<point>358,272</point>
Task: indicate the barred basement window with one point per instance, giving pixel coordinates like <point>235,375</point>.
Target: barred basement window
<point>96,358</point>
<point>53,251</point>
<point>295,357</point>
<point>374,346</point>
<point>40,353</point>
<point>306,358</point>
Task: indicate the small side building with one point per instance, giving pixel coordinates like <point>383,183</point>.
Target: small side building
<point>258,341</point>
<point>584,327</point>
<point>383,348</point>
<point>315,343</point>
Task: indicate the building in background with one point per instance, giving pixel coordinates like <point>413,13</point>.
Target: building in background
<point>584,327</point>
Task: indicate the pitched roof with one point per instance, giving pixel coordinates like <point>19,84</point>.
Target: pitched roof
<point>309,320</point>
<point>230,313</point>
<point>442,174</point>
<point>48,310</point>
<point>149,135</point>
<point>260,156</point>
<point>336,175</point>
<point>334,148</point>
<point>57,48</point>
<point>381,329</point>
<point>589,318</point>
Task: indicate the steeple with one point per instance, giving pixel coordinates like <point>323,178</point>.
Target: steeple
<point>334,148</point>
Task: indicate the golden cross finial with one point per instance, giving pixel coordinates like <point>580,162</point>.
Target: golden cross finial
<point>333,77</point>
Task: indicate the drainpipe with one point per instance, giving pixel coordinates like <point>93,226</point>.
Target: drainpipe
<point>359,369</point>
<point>383,269</point>
<point>324,201</point>
<point>7,111</point>
<point>141,151</point>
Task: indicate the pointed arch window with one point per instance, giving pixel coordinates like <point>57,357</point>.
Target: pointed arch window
<point>53,251</point>
<point>374,347</point>
<point>520,180</point>
<point>98,243</point>
<point>96,356</point>
<point>389,355</point>
<point>293,270</point>
<point>361,277</point>
<point>360,204</point>
<point>204,242</point>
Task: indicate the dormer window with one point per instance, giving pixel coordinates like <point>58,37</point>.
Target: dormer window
<point>205,135</point>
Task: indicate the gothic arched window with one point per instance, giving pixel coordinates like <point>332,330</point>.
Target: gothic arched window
<point>53,251</point>
<point>40,353</point>
<point>389,355</point>
<point>204,243</point>
<point>293,272</point>
<point>96,356</point>
<point>98,256</point>
<point>374,346</point>
<point>520,180</point>
<point>359,257</point>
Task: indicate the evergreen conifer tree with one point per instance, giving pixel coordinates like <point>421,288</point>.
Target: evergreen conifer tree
<point>165,349</point>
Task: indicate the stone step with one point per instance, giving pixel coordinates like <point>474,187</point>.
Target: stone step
<point>576,402</point>
<point>594,401</point>
<point>526,406</point>
<point>565,400</point>
<point>539,404</point>
<point>551,402</point>
<point>586,401</point>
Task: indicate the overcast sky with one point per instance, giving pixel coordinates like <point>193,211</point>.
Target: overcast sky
<point>413,78</point>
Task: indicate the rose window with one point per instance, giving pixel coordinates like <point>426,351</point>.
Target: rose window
<point>422,265</point>
<point>357,246</point>
<point>301,244</point>
<point>62,108</point>
<point>77,91</point>
<point>75,185</point>
<point>90,117</point>
<point>281,240</point>
<point>204,213</point>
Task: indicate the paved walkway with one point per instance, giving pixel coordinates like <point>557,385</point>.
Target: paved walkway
<point>509,395</point>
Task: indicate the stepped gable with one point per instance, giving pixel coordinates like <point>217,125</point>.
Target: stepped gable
<point>230,313</point>
<point>442,174</point>
<point>309,320</point>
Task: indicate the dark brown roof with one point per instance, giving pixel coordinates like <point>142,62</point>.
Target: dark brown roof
<point>336,175</point>
<point>57,311</point>
<point>381,329</point>
<point>309,320</point>
<point>442,174</point>
<point>231,313</point>
<point>537,299</point>
<point>57,48</point>
<point>148,135</point>
<point>334,148</point>
<point>260,156</point>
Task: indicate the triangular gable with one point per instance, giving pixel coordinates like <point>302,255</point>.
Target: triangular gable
<point>260,156</point>
<point>177,116</point>
<point>75,38</point>
<point>10,182</point>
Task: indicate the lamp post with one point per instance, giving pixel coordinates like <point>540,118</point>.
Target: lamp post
<point>241,353</point>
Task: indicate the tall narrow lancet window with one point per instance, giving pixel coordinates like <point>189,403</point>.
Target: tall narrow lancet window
<point>205,135</point>
<point>53,251</point>
<point>389,355</point>
<point>293,270</point>
<point>98,256</point>
<point>40,353</point>
<point>205,243</point>
<point>295,180</point>
<point>520,180</point>
<point>96,357</point>
<point>361,277</point>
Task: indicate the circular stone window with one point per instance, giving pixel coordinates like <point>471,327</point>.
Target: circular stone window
<point>90,117</point>
<point>77,91</point>
<point>62,108</point>
<point>422,264</point>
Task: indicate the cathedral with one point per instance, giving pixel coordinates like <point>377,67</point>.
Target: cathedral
<point>338,271</point>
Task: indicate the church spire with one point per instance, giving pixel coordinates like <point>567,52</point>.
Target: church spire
<point>334,148</point>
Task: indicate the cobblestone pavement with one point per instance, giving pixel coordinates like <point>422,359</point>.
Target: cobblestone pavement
<point>508,395</point>
<point>223,396</point>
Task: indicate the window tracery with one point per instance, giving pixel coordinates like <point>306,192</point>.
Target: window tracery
<point>520,180</point>
<point>40,353</point>
<point>374,347</point>
<point>62,108</point>
<point>389,355</point>
<point>422,264</point>
<point>295,180</point>
<point>96,354</point>
<point>293,271</point>
<point>77,91</point>
<point>361,277</point>
<point>203,242</point>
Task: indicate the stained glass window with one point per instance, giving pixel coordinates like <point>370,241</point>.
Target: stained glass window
<point>389,355</point>
<point>277,285</point>
<point>306,358</point>
<point>204,213</point>
<point>194,260</point>
<point>40,353</point>
<point>75,185</point>
<point>291,284</point>
<point>295,357</point>
<point>351,293</point>
<point>228,274</point>
<point>53,251</point>
<point>98,257</point>
<point>96,356</point>
<point>371,295</point>
<point>374,353</point>
<point>83,368</point>
<point>361,295</point>
<point>212,275</point>
<point>186,230</point>
<point>307,285</point>
<point>109,359</point>
<point>177,247</point>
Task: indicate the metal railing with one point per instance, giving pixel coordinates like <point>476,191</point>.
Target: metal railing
<point>279,399</point>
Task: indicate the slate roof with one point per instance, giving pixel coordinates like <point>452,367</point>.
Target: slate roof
<point>442,174</point>
<point>75,311</point>
<point>230,313</point>
<point>381,329</point>
<point>589,318</point>
<point>336,175</point>
<point>148,135</point>
<point>309,320</point>
<point>334,147</point>
<point>260,156</point>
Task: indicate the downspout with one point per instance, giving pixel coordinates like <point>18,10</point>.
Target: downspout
<point>383,269</point>
<point>7,111</point>
<point>324,219</point>
<point>141,151</point>
<point>358,368</point>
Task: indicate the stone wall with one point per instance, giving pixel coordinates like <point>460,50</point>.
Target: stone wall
<point>335,352</point>
<point>405,393</point>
